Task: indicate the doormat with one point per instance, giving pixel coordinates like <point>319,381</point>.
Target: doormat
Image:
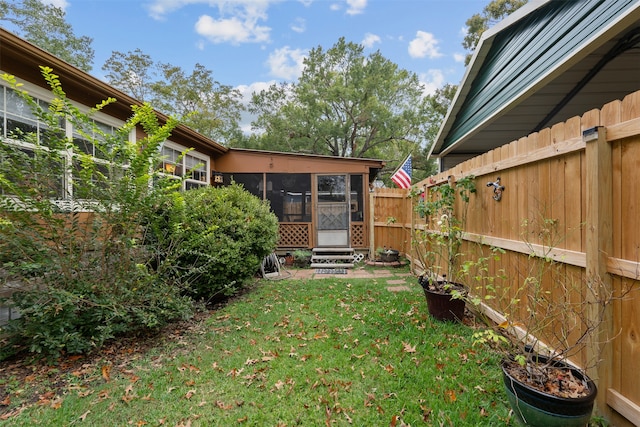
<point>331,271</point>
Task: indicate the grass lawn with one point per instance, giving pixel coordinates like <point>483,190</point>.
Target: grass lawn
<point>329,352</point>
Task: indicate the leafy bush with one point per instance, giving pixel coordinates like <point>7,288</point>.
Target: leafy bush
<point>75,252</point>
<point>214,239</point>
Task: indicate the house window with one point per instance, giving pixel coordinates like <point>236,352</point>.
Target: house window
<point>22,129</point>
<point>40,167</point>
<point>290,196</point>
<point>100,132</point>
<point>252,182</point>
<point>193,166</point>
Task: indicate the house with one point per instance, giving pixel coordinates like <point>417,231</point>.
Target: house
<point>545,63</point>
<point>550,104</point>
<point>320,201</point>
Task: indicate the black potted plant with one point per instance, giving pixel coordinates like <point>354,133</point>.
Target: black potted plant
<point>547,317</point>
<point>387,255</point>
<point>437,248</point>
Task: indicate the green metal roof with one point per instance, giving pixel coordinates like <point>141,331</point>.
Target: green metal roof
<point>517,57</point>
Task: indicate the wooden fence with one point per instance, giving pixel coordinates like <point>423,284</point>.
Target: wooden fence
<point>584,175</point>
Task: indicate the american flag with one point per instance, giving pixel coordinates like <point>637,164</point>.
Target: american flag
<point>402,177</point>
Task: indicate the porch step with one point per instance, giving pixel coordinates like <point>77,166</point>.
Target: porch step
<point>328,265</point>
<point>332,258</point>
<point>329,250</point>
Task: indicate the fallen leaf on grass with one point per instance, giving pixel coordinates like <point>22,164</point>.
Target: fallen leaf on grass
<point>191,368</point>
<point>84,416</point>
<point>106,372</point>
<point>85,393</point>
<point>13,413</point>
<point>233,373</point>
<point>407,348</point>
<point>389,368</point>
<point>56,403</point>
<point>189,394</point>
<point>452,396</point>
<point>426,413</point>
<point>45,398</point>
<point>128,394</point>
<point>220,404</point>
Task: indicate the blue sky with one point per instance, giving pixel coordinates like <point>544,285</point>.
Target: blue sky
<point>249,44</point>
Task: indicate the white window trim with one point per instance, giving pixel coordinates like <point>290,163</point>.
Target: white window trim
<point>40,93</point>
<point>205,159</point>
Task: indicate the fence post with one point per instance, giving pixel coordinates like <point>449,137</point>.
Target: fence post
<point>372,225</point>
<point>599,233</point>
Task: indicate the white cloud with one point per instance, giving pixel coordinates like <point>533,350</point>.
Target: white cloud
<point>356,7</point>
<point>158,9</point>
<point>299,25</point>
<point>234,21</point>
<point>286,63</point>
<point>61,4</point>
<point>247,92</point>
<point>232,30</point>
<point>432,80</point>
<point>424,45</point>
<point>459,57</point>
<point>370,40</point>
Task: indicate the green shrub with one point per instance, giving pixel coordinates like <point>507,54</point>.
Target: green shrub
<point>218,238</point>
<point>78,259</point>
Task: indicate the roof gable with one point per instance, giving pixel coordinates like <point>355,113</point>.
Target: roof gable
<point>518,62</point>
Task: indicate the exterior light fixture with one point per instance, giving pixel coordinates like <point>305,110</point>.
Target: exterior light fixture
<point>217,177</point>
<point>590,134</point>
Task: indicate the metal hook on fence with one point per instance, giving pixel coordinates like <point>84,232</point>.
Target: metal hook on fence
<point>497,189</point>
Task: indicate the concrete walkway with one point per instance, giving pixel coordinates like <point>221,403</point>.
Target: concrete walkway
<point>355,273</point>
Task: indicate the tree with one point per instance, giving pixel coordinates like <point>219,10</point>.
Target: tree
<point>132,73</point>
<point>437,107</point>
<point>199,101</point>
<point>44,25</point>
<point>344,104</point>
<point>494,12</point>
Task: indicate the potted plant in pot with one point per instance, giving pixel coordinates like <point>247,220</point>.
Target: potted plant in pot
<point>547,317</point>
<point>385,254</point>
<point>301,258</point>
<point>437,248</point>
